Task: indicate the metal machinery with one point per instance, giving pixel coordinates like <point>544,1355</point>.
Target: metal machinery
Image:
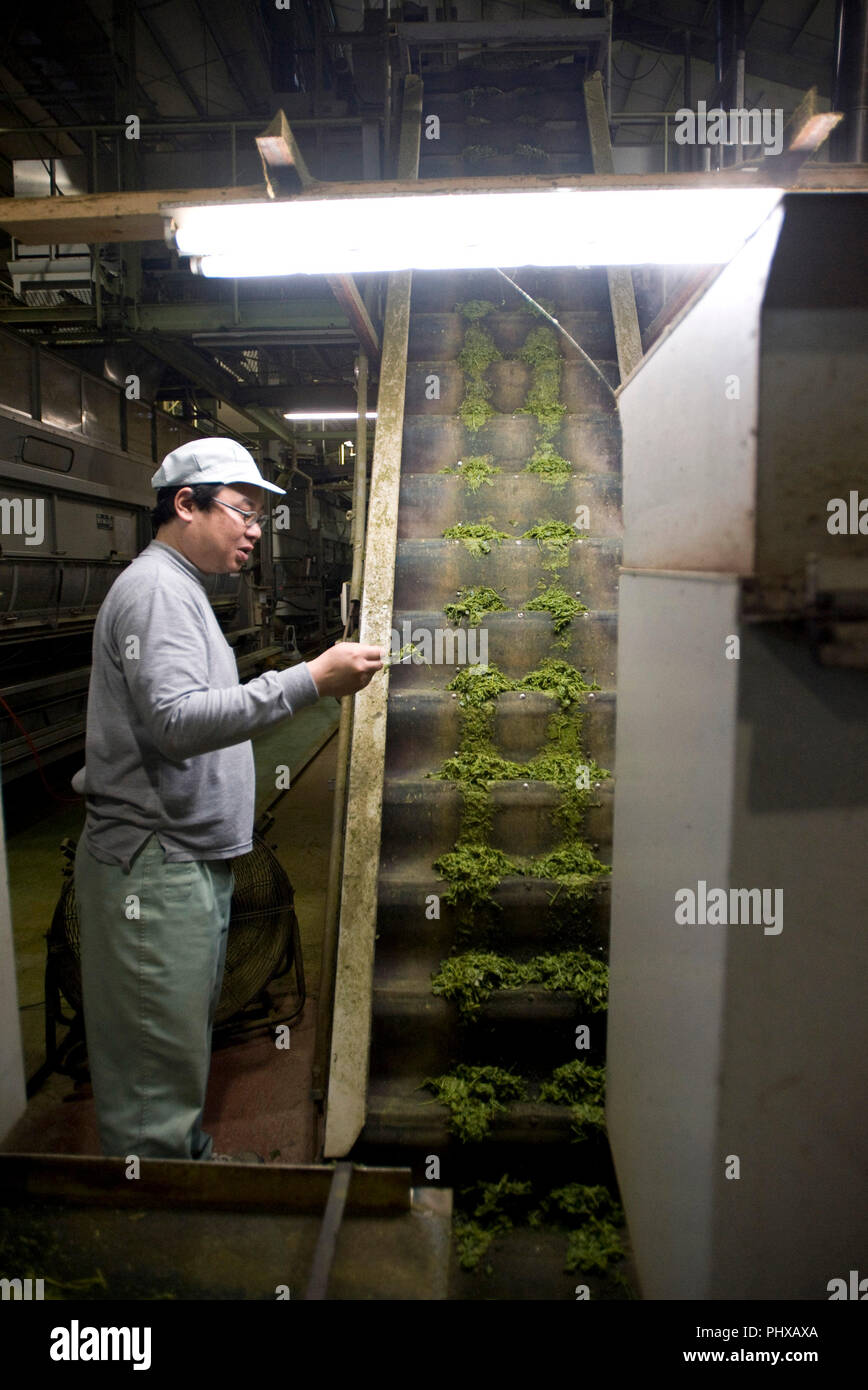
<point>76,459</point>
<point>737,1048</point>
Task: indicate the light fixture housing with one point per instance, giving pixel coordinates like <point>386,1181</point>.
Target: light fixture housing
<point>327,415</point>
<point>478,229</point>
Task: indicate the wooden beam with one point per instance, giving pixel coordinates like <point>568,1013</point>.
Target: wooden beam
<point>806,130</point>
<point>286,171</point>
<point>354,970</point>
<point>809,127</point>
<point>93,217</point>
<point>282,161</point>
<point>346,292</point>
<point>119,217</point>
<point>628,340</point>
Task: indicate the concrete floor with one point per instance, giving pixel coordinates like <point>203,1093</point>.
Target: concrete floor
<point>258,1097</point>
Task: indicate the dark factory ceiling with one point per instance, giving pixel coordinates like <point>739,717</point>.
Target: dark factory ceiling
<point>70,75</point>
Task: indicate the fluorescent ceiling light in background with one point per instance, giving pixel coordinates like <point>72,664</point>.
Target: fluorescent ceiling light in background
<point>327,415</point>
<point>466,231</point>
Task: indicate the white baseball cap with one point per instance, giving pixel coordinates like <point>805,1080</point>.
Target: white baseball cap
<point>210,461</point>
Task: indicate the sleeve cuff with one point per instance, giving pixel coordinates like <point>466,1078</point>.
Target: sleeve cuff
<point>299,687</point>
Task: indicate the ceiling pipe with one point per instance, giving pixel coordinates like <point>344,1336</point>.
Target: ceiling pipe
<point>849,143</point>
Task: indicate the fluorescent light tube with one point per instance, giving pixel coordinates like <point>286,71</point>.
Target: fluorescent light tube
<point>465,231</point>
<point>327,415</point>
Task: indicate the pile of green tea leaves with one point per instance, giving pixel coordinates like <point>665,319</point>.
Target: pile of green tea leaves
<point>595,1243</point>
<point>474,359</point>
<point>473,869</point>
<point>540,351</point>
<point>575,858</point>
<point>476,536</point>
<point>550,465</point>
<point>555,600</point>
<point>530,154</point>
<point>474,309</point>
<point>574,868</point>
<point>588,1215</point>
<point>554,539</point>
<point>478,154</point>
<point>473,1096</point>
<point>474,94</point>
<point>470,979</point>
<point>475,470</point>
<point>583,1087</point>
<point>489,1210</point>
<point>574,1082</point>
<point>479,767</point>
<point>473,604</point>
<point>476,685</point>
<point>554,676</point>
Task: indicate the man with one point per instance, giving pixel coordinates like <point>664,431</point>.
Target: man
<point>169,781</point>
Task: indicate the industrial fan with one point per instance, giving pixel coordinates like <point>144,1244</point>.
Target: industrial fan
<point>263,943</point>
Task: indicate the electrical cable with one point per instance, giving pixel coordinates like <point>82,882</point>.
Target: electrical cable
<point>559,326</point>
<point>639,77</point>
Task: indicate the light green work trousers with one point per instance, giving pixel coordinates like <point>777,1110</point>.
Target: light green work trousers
<point>153,947</point>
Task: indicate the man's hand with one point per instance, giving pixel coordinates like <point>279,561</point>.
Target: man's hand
<point>345,668</point>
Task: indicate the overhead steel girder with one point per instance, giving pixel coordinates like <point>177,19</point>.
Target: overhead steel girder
<point>577,30</point>
<point>214,379</point>
<point>313,316</point>
<point>325,397</point>
<point>293,315</point>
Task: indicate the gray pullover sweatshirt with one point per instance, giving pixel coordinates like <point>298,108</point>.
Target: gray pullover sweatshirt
<point>168,723</point>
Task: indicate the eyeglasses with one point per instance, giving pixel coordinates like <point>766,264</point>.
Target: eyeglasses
<point>250,518</point>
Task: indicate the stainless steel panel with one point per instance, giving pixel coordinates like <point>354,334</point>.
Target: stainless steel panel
<point>752,414</point>
<point>674,740</point>
<point>15,373</point>
<point>101,410</point>
<point>51,589</point>
<point>689,443</point>
<point>101,531</point>
<point>168,433</point>
<point>139,427</point>
<point>748,1038</point>
<point>60,387</point>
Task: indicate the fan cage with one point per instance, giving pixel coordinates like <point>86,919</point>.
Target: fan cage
<point>260,944</point>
